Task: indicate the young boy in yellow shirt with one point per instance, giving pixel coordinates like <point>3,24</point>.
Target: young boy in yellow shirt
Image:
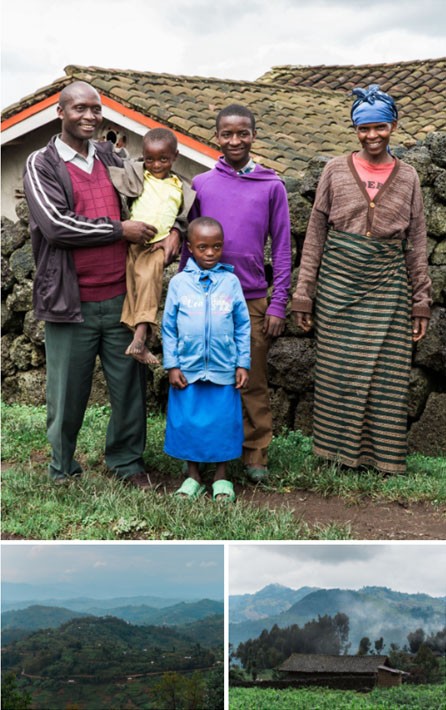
<point>162,200</point>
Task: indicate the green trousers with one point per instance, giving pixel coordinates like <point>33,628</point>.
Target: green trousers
<point>71,351</point>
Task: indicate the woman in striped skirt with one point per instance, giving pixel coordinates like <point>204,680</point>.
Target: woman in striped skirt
<point>364,273</point>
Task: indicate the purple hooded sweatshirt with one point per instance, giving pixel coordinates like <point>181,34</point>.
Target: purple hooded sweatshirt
<point>249,207</point>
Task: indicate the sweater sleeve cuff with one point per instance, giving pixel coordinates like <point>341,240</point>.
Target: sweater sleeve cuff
<point>277,310</point>
<point>303,305</point>
<point>118,230</point>
<point>419,311</point>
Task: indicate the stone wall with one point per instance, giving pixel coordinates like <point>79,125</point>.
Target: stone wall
<point>292,357</point>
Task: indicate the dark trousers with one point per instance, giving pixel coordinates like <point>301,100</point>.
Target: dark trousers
<point>71,351</point>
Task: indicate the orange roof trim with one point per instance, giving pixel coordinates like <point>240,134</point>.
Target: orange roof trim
<point>30,111</point>
<point>119,108</point>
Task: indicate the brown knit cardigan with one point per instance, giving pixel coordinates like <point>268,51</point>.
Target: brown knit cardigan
<point>343,204</point>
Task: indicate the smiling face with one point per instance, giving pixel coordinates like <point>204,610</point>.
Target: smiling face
<point>80,111</point>
<point>159,156</point>
<point>235,136</point>
<point>205,243</point>
<point>374,139</point>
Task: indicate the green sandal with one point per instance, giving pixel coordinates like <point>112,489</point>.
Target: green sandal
<point>223,488</point>
<point>190,488</point>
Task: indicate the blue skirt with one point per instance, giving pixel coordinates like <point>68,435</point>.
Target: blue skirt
<point>204,423</point>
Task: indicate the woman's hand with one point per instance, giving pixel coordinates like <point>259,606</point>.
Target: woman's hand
<point>419,328</point>
<point>303,320</point>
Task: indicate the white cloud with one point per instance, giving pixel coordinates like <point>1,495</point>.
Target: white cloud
<point>231,40</point>
<point>403,567</point>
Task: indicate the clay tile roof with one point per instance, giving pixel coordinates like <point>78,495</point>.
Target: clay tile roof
<point>418,87</point>
<point>302,113</point>
<point>315,663</point>
<point>291,125</point>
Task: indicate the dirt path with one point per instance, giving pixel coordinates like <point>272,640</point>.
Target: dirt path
<point>368,520</point>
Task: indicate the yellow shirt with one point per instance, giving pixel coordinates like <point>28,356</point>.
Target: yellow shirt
<point>158,204</point>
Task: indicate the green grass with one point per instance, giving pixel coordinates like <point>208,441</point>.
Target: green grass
<point>98,506</point>
<point>416,697</point>
<point>293,465</point>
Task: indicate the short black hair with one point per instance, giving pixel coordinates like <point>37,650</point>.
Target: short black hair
<point>162,134</point>
<point>205,222</point>
<point>236,110</point>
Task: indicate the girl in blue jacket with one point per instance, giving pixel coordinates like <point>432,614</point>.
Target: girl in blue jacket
<point>206,349</point>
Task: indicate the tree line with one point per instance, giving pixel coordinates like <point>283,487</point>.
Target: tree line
<point>423,656</point>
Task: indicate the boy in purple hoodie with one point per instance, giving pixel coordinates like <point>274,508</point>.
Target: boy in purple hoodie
<point>251,204</point>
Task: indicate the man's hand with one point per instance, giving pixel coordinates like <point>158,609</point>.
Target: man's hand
<point>303,320</point>
<point>419,328</point>
<point>273,326</point>
<point>138,232</point>
<point>171,245</point>
<point>241,377</point>
<point>177,379</point>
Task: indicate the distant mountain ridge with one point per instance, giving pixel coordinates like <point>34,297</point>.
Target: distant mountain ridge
<point>373,611</point>
<point>272,599</point>
<point>19,623</point>
<point>20,596</point>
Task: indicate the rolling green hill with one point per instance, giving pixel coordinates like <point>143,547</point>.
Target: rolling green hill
<point>38,617</point>
<point>107,647</point>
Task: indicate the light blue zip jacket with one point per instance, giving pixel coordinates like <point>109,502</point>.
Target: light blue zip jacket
<point>206,334</point>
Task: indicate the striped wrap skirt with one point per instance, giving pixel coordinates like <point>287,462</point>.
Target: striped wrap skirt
<point>364,346</point>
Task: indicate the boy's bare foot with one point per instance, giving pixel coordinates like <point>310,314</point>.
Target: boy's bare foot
<point>141,352</point>
<point>136,347</point>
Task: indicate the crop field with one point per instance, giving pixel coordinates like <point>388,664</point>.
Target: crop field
<point>418,697</point>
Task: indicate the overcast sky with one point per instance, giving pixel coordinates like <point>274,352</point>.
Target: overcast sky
<point>234,39</point>
<point>410,568</point>
<point>111,570</point>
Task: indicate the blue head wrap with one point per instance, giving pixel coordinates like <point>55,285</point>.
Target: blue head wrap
<point>373,106</point>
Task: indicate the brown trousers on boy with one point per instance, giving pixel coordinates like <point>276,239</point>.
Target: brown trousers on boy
<point>257,418</point>
<point>144,278</point>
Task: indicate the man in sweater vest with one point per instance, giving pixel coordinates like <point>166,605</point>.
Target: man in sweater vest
<point>80,243</point>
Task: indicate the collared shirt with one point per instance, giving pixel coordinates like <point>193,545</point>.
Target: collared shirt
<point>248,168</point>
<point>69,155</point>
<point>158,204</point>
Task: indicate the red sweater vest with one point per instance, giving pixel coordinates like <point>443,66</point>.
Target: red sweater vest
<point>100,270</point>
